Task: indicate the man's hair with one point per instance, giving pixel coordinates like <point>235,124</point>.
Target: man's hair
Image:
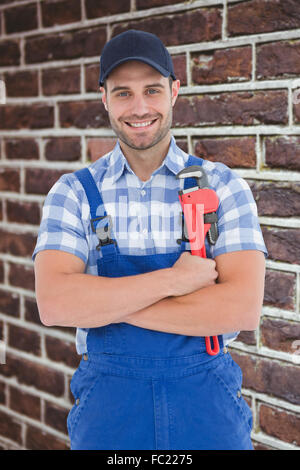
<point>170,83</point>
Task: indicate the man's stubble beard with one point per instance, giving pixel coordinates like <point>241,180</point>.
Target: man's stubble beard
<point>161,133</point>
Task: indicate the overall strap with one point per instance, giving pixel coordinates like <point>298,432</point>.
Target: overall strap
<point>100,221</point>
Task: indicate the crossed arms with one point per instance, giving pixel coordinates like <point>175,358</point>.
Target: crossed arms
<point>183,299</point>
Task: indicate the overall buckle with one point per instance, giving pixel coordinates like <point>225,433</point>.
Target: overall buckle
<point>104,232</point>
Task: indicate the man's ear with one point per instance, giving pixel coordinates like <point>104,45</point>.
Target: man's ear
<point>103,98</point>
<point>175,90</point>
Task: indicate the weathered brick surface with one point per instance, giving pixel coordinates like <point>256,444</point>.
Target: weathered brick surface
<point>99,146</point>
<point>283,245</point>
<point>62,46</point>
<point>24,403</point>
<point>232,151</point>
<point>36,116</point>
<point>240,108</point>
<point>63,149</point>
<point>12,17</point>
<point>61,351</point>
<point>270,376</point>
<point>281,424</point>
<point>23,212</point>
<point>21,83</point>
<point>280,290</point>
<point>36,439</point>
<point>280,335</point>
<point>60,12</point>
<point>23,149</point>
<point>10,427</point>
<point>199,25</point>
<point>83,114</point>
<point>17,244</point>
<point>56,417</point>
<point>61,81</point>
<point>9,52</point>
<point>224,65</point>
<point>9,180</point>
<point>95,9</point>
<point>282,200</point>
<point>21,276</point>
<point>283,152</point>
<point>9,303</point>
<point>278,59</point>
<point>40,181</point>
<point>262,16</point>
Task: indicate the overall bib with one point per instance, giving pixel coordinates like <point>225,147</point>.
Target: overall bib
<point>144,389</point>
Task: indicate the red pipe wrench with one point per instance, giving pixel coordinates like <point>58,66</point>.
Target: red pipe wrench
<point>199,205</point>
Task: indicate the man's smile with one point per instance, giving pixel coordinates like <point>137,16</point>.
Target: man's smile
<point>141,124</point>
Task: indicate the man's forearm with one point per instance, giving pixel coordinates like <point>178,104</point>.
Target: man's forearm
<point>87,301</point>
<point>209,311</point>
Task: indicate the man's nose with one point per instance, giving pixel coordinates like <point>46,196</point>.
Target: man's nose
<point>139,105</point>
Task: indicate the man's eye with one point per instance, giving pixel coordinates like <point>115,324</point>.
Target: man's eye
<point>152,91</point>
<point>123,93</point>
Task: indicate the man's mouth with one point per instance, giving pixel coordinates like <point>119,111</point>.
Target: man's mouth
<point>142,124</point>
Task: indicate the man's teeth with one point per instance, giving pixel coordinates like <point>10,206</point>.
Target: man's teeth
<point>140,124</point>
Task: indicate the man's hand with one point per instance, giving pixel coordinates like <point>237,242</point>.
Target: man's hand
<point>191,273</point>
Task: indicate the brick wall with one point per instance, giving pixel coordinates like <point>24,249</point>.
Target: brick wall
<point>238,62</point>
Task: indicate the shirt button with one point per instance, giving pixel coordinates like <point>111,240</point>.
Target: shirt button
<point>239,394</point>
<point>145,231</point>
<point>143,192</point>
<point>77,401</point>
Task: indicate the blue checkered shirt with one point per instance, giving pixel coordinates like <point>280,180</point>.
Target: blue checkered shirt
<point>146,215</point>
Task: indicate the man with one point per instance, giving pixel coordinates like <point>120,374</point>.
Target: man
<point>108,262</point>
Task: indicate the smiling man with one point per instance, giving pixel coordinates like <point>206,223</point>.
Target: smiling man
<point>141,302</point>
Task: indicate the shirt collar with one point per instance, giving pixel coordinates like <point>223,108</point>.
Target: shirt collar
<point>174,161</point>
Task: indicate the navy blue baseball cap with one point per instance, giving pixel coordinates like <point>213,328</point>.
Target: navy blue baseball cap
<point>135,45</point>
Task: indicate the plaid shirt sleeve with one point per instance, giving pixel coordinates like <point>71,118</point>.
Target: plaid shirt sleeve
<point>62,227</point>
<point>238,223</point>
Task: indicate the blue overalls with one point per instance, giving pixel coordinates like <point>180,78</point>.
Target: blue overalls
<point>144,389</point>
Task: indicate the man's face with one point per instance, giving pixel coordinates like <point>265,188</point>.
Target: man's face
<point>139,102</point>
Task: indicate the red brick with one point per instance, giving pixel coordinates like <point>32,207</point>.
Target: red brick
<point>282,424</point>
<point>36,116</point>
<point>56,417</point>
<point>40,181</point>
<point>60,12</point>
<point>280,290</point>
<point>31,311</point>
<point>142,4</point>
<point>9,180</point>
<point>61,81</point>
<point>199,25</point>
<point>24,403</point>
<point>37,439</point>
<point>62,351</point>
<point>96,9</point>
<point>240,108</point>
<point>10,428</point>
<point>97,147</point>
<point>9,53</point>
<point>18,244</point>
<point>2,393</point>
<point>221,66</point>
<point>21,276</point>
<point>12,16</point>
<point>247,337</point>
<point>263,16</point>
<point>283,152</point>
<point>67,45</point>
<point>24,339</point>
<point>179,63</point>
<point>279,334</point>
<point>232,151</point>
<point>1,270</point>
<point>33,374</point>
<point>83,114</point>
<point>277,199</point>
<point>9,304</point>
<point>63,149</point>
<point>23,83</point>
<point>92,77</point>
<point>278,59</point>
<point>23,212</point>
<point>23,149</point>
<point>270,377</point>
<point>282,244</point>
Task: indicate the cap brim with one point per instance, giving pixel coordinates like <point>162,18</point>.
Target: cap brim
<point>153,64</point>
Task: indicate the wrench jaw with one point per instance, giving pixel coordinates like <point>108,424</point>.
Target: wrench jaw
<point>197,172</point>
